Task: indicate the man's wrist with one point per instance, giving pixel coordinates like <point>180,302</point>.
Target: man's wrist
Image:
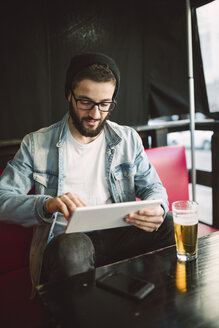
<point>46,213</point>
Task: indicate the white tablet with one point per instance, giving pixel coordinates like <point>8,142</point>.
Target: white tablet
<point>105,216</point>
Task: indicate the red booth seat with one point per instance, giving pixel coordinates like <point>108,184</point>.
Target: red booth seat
<point>17,308</point>
<point>15,243</point>
<point>170,163</point>
<point>14,246</point>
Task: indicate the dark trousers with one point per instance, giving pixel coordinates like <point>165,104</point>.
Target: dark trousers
<point>70,254</point>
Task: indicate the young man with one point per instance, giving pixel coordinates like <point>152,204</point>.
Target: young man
<point>83,160</point>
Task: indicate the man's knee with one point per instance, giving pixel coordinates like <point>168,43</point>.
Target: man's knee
<point>73,245</point>
<point>67,255</point>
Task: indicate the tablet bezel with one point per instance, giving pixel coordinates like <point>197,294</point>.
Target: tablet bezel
<point>106,216</point>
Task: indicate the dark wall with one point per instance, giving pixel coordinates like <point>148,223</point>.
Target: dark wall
<point>38,38</point>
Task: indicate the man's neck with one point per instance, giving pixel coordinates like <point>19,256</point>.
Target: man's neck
<point>79,137</point>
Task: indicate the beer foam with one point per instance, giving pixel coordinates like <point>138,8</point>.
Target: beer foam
<point>185,219</point>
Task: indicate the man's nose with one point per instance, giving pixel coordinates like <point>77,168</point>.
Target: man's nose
<point>94,112</point>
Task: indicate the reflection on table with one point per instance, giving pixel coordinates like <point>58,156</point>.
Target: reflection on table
<point>186,294</point>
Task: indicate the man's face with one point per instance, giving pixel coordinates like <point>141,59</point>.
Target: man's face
<point>89,123</point>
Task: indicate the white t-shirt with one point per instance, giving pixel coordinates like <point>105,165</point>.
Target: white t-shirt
<point>84,170</point>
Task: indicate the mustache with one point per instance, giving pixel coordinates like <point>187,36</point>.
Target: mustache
<point>89,118</point>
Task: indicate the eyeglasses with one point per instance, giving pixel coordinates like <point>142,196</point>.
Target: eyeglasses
<point>103,106</point>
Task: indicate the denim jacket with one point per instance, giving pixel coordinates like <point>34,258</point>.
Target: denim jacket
<point>39,164</point>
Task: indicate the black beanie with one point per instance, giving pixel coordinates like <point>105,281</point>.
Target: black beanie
<point>83,60</point>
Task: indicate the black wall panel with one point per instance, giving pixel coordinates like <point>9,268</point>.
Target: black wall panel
<point>146,38</point>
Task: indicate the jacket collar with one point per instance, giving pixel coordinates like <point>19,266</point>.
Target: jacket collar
<point>63,130</point>
<point>111,132</point>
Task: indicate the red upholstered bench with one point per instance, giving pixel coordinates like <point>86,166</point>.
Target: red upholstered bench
<point>17,308</point>
<point>15,243</point>
<point>170,163</point>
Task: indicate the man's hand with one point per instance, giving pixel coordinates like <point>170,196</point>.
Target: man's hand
<point>148,219</point>
<point>64,204</point>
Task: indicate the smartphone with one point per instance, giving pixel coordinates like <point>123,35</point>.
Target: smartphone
<point>126,285</point>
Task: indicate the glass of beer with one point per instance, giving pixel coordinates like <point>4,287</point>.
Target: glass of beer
<point>185,217</point>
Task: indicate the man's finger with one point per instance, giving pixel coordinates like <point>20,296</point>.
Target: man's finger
<point>76,199</point>
<point>147,219</point>
<point>156,211</point>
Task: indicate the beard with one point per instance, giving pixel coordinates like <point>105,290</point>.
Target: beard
<point>78,123</point>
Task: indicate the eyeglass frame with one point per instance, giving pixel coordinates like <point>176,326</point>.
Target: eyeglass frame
<point>95,104</point>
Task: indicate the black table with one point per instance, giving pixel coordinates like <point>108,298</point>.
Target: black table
<point>185,295</point>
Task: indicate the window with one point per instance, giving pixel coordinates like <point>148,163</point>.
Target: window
<point>208,25</point>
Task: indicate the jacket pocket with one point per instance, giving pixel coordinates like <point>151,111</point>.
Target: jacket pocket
<point>45,184</point>
<point>41,179</point>
<point>124,176</point>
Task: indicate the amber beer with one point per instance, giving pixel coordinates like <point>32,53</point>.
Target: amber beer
<point>186,229</point>
<point>186,239</point>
